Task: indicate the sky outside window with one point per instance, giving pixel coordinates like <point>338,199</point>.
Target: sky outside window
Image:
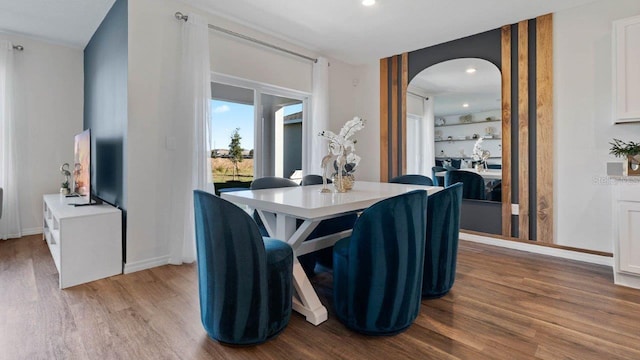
<point>225,118</point>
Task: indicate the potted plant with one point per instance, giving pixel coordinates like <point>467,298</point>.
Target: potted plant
<point>630,150</point>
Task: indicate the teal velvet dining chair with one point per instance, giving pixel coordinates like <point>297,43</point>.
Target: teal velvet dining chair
<point>438,180</point>
<point>245,280</point>
<point>268,182</point>
<point>377,271</point>
<point>307,261</point>
<point>413,179</point>
<point>473,184</point>
<point>441,247</point>
<point>324,257</point>
<point>313,179</point>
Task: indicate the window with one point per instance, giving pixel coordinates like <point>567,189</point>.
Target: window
<point>270,125</point>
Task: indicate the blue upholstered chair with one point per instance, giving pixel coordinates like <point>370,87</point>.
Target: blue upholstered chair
<point>377,271</point>
<point>313,179</point>
<point>412,179</point>
<point>437,180</point>
<point>268,182</point>
<point>441,248</point>
<point>473,184</point>
<point>244,279</point>
<point>324,256</point>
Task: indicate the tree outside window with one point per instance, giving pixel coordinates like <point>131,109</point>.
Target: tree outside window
<point>235,151</point>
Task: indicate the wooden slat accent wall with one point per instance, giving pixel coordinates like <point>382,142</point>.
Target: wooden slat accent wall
<point>544,128</point>
<point>523,130</point>
<point>403,115</point>
<point>394,115</point>
<point>506,130</point>
<point>384,121</point>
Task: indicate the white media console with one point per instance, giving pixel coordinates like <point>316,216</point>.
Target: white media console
<point>85,241</point>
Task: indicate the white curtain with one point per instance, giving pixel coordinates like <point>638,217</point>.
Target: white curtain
<point>428,138</point>
<point>10,226</point>
<point>191,122</point>
<point>315,147</point>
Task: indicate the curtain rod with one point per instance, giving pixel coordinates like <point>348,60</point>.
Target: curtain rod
<point>18,47</point>
<point>418,95</point>
<point>181,16</point>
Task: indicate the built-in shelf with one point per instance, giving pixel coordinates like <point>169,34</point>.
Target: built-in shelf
<point>463,157</point>
<point>469,123</point>
<point>451,140</point>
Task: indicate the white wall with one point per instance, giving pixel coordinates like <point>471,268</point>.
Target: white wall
<point>154,46</point>
<point>48,108</point>
<point>583,122</point>
<point>367,106</point>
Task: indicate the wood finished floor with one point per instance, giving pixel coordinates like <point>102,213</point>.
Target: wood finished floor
<point>505,304</point>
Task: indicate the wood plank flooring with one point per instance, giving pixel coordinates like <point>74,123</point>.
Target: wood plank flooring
<point>505,304</point>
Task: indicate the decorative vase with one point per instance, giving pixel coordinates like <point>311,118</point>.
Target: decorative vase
<point>633,165</point>
<point>343,183</point>
<point>348,181</point>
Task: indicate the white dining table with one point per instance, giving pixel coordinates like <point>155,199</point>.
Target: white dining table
<point>489,174</point>
<point>279,209</point>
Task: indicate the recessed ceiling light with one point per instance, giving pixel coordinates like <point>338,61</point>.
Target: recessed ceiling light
<point>465,105</point>
<point>471,70</point>
<point>368,2</point>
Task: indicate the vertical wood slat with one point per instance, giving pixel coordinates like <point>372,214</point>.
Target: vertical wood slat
<point>506,130</point>
<point>384,120</point>
<point>544,128</point>
<point>523,130</point>
<point>394,116</point>
<point>403,116</point>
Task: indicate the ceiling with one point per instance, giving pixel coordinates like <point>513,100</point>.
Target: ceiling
<point>451,86</point>
<point>341,29</point>
<point>69,22</point>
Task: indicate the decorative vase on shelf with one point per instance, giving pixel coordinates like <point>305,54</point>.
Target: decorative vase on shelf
<point>633,165</point>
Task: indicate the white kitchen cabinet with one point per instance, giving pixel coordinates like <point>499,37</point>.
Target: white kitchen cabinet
<point>626,72</point>
<point>627,232</point>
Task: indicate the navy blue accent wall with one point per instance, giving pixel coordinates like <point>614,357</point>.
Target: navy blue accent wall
<point>105,103</point>
<point>486,45</point>
<point>105,106</point>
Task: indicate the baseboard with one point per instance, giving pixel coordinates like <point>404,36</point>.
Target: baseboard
<point>537,249</point>
<point>131,267</point>
<point>25,232</point>
<point>31,231</point>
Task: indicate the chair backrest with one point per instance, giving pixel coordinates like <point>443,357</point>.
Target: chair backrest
<point>312,179</point>
<point>386,253</point>
<point>441,248</point>
<point>231,265</point>
<point>456,163</point>
<point>270,182</point>
<point>412,179</point>
<point>473,184</point>
<point>438,180</point>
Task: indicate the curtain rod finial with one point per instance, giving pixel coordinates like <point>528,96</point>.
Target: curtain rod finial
<point>181,16</point>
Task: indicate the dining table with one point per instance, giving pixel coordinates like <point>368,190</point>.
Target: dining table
<point>488,174</point>
<point>290,214</point>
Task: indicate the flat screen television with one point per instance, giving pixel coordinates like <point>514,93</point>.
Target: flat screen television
<point>82,166</point>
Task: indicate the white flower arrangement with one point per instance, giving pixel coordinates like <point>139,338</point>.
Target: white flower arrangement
<point>342,144</point>
<point>480,154</point>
